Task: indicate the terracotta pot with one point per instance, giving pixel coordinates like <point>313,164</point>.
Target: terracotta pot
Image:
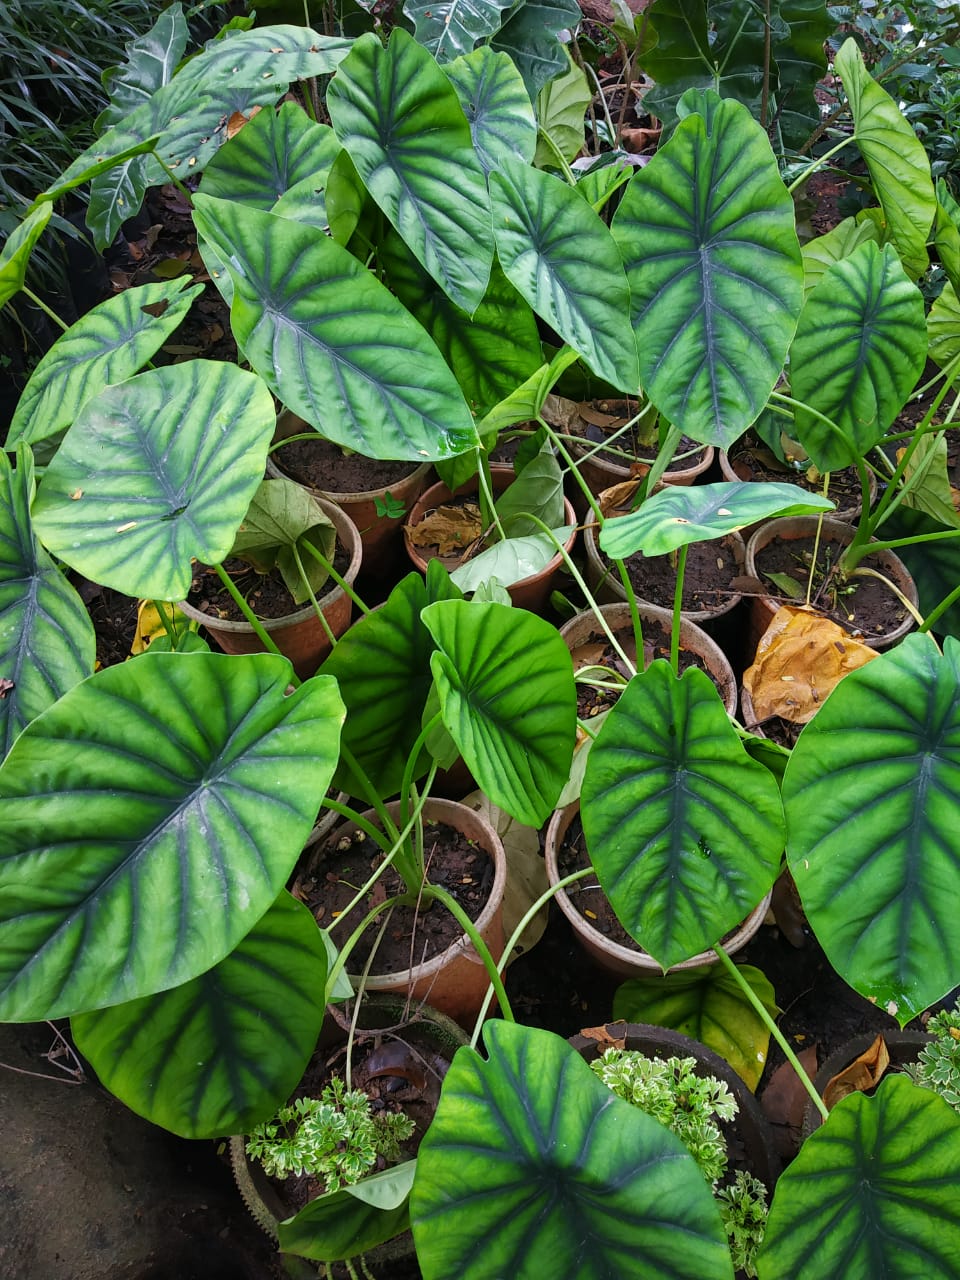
<point>903,1046</point>
<point>604,580</point>
<point>739,468</point>
<point>455,981</point>
<point>584,628</point>
<point>531,593</point>
<point>430,1034</point>
<point>380,535</point>
<point>748,1130</point>
<point>839,535</point>
<point>627,962</point>
<point>300,636</point>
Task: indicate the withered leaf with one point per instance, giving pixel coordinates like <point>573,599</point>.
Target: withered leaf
<point>862,1074</point>
<point>448,528</point>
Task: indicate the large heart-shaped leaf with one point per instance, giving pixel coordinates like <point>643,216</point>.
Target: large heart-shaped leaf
<point>943,327</point>
<point>382,666</point>
<point>453,27</point>
<point>860,346</point>
<point>495,102</point>
<point>505,681</point>
<point>151,817</point>
<point>531,1168</point>
<point>107,345</point>
<point>46,636</point>
<point>536,494</point>
<point>877,863</point>
<point>679,515</point>
<point>220,1053</point>
<point>533,37</point>
<point>331,341</point>
<point>707,1004</point>
<point>684,829</point>
<point>15,254</point>
<point>707,235</point>
<point>155,472</point>
<point>872,1192</point>
<point>398,116</point>
<point>557,251</point>
<point>898,164</point>
<point>272,153</point>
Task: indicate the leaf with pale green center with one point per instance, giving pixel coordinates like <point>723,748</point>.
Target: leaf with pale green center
<point>121,797</point>
<point>331,341</point>
<point>107,345</point>
<point>271,154</point>
<point>707,235</point>
<point>561,108</point>
<point>708,1005</point>
<point>495,102</point>
<point>532,1167</point>
<point>47,642</point>
<point>450,28</point>
<point>878,866</point>
<point>155,472</point>
<point>559,254</point>
<point>896,160</point>
<point>943,327</point>
<point>860,346</point>
<point>872,1192</point>
<point>679,515</point>
<point>278,53</point>
<point>511,560</point>
<point>15,254</point>
<point>222,1052</point>
<point>505,681</point>
<point>398,116</point>
<point>684,829</point>
<point>533,37</point>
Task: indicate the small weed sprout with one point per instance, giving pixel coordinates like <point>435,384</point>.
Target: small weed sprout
<point>690,1106</point>
<point>335,1138</point>
<point>938,1067</point>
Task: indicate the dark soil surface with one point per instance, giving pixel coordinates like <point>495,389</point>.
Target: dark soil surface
<point>265,593</point>
<point>708,580</point>
<point>320,464</point>
<point>597,651</point>
<point>752,460</point>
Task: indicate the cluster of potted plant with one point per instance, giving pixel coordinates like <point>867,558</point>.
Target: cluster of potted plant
<point>386,275</point>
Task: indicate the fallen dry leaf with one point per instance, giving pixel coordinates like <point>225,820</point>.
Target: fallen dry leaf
<point>783,1102</point>
<point>603,1038</point>
<point>862,1074</point>
<point>237,121</point>
<point>621,495</point>
<point>800,659</point>
<point>448,528</point>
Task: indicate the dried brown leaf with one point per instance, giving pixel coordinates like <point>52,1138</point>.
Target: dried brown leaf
<point>863,1073</point>
<point>448,528</point>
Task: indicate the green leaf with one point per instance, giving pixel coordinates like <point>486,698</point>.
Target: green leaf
<point>47,642</point>
<point>706,231</point>
<point>684,829</point>
<point>331,341</point>
<point>801,64</point>
<point>222,1052</point>
<point>107,345</point>
<point>154,472</point>
<point>860,346</point>
<point>505,680</point>
<point>495,102</point>
<point>561,257</point>
<point>527,400</point>
<point>679,515</point>
<point>943,327</point>
<point>878,866</point>
<point>453,27</point>
<point>273,153</point>
<point>946,227</point>
<point>532,1167</point>
<point>277,54</point>
<point>708,1005</point>
<point>532,37</point>
<point>382,667</point>
<point>345,1222</point>
<point>536,492</point>
<point>510,561</point>
<point>872,1191</point>
<point>398,116</point>
<point>561,107</point>
<point>896,160</point>
<point>283,515</point>
<point>119,147</point>
<point>15,254</point>
<point>927,482</point>
<point>151,817</point>
<point>934,566</point>
<point>839,243</point>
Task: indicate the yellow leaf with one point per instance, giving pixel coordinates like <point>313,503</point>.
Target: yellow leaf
<point>149,625</point>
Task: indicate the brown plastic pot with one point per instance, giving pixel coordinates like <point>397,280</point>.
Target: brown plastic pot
<point>839,535</point>
<point>455,981</point>
<point>584,628</point>
<point>738,469</point>
<point>748,1130</point>
<point>902,1046</point>
<point>627,962</point>
<point>530,593</point>
<point>300,636</point>
<point>380,535</point>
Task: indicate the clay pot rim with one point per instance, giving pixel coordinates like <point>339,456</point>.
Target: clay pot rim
<point>420,469</point>
<point>908,1043</point>
<point>348,534</point>
<point>639,959</point>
